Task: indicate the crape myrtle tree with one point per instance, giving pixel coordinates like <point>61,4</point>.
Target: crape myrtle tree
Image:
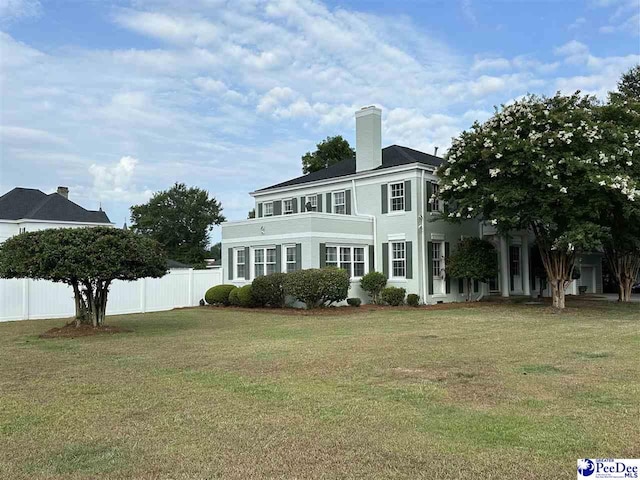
<point>537,164</point>
<point>474,259</point>
<point>87,259</point>
<point>621,119</point>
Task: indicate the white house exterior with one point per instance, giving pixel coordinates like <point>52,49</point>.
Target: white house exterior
<point>28,210</point>
<point>371,213</point>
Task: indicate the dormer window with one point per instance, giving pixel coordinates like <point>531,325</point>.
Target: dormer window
<point>268,209</point>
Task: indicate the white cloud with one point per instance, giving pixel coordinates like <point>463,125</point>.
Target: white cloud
<point>11,10</point>
<point>117,180</point>
<point>12,135</point>
<point>490,63</point>
<point>571,49</point>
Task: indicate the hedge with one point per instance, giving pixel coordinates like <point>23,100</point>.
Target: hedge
<point>245,296</point>
<point>269,290</point>
<point>233,297</point>
<point>413,300</point>
<point>219,295</point>
<point>373,283</point>
<point>318,287</point>
<point>354,302</point>
<point>393,296</point>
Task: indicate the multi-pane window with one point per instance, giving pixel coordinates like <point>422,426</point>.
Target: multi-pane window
<point>435,206</point>
<point>240,263</point>
<point>287,206</point>
<point>436,259</point>
<point>264,261</point>
<point>398,260</point>
<point>290,258</point>
<point>397,197</point>
<point>514,253</point>
<point>350,259</point>
<point>268,209</point>
<point>339,203</point>
<point>311,203</point>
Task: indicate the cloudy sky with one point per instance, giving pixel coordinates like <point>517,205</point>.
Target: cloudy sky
<point>119,99</point>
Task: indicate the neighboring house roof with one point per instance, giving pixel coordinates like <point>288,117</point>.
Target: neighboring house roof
<point>392,156</point>
<point>32,204</point>
<point>176,264</point>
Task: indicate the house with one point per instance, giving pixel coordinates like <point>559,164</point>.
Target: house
<point>29,209</point>
<point>371,213</point>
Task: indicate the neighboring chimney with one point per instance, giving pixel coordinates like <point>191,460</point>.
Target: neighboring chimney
<point>435,151</point>
<point>64,191</point>
<point>368,138</point>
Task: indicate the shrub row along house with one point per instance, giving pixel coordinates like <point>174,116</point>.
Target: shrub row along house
<point>376,212</point>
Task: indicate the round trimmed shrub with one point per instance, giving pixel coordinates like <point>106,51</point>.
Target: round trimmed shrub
<point>268,290</point>
<point>233,297</point>
<point>354,302</point>
<point>318,287</point>
<point>245,296</point>
<point>219,295</point>
<point>393,296</point>
<point>413,300</point>
<point>373,283</point>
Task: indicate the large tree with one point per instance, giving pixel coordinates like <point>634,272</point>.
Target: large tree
<point>474,259</point>
<point>181,219</point>
<point>87,259</point>
<point>537,164</point>
<point>329,152</point>
<point>621,132</point>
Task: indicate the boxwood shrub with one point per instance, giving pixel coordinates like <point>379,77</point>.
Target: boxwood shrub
<point>393,296</point>
<point>354,302</point>
<point>245,296</point>
<point>219,295</point>
<point>233,297</point>
<point>269,291</point>
<point>373,283</point>
<point>413,300</point>
<point>318,287</point>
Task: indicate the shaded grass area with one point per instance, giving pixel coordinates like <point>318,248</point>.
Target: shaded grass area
<point>499,391</point>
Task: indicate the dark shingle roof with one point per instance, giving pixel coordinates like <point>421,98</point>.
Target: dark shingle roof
<point>29,203</point>
<point>392,156</point>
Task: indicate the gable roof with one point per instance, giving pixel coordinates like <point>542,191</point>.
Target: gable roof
<point>32,204</point>
<point>392,156</point>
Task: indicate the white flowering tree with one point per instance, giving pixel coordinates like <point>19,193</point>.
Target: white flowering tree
<point>538,164</point>
<point>621,117</point>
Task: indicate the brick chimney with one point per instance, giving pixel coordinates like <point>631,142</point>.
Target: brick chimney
<point>64,191</point>
<point>368,138</point>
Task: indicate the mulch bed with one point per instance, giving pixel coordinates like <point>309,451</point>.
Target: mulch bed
<point>71,331</point>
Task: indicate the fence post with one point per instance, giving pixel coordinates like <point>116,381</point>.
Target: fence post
<point>191,302</point>
<point>25,298</point>
<point>143,295</point>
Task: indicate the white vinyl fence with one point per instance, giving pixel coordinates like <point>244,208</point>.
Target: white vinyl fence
<point>25,299</point>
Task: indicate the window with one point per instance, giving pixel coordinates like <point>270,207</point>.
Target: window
<point>22,230</point>
<point>339,205</point>
<point>435,206</point>
<point>268,209</point>
<point>398,260</point>
<point>514,254</point>
<point>311,203</point>
<point>436,259</point>
<point>290,258</point>
<point>397,197</point>
<point>288,206</point>
<point>264,261</point>
<point>350,259</point>
<point>240,263</point>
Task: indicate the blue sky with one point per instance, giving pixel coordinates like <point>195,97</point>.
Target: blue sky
<point>120,99</point>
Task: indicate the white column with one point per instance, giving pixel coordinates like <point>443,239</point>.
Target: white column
<point>526,286</point>
<point>504,267</point>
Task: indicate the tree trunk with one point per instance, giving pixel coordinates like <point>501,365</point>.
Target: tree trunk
<point>468,280</point>
<point>625,267</point>
<point>558,265</point>
<point>81,316</point>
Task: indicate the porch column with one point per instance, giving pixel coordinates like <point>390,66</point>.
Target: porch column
<point>526,287</point>
<point>504,267</point>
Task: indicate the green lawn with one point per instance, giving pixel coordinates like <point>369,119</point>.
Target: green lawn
<point>498,391</point>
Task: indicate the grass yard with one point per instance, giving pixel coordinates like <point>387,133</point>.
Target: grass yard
<point>491,391</point>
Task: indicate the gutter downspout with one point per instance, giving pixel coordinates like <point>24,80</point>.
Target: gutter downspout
<point>423,270</point>
<point>372,217</point>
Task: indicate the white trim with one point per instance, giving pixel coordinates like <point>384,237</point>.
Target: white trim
<point>437,237</point>
<point>390,197</point>
<point>264,209</point>
<point>320,215</point>
<point>397,213</point>
<point>65,222</point>
<point>334,204</point>
<point>283,258</point>
<point>282,236</point>
<point>347,178</point>
<point>396,236</point>
<point>289,199</point>
<point>392,277</point>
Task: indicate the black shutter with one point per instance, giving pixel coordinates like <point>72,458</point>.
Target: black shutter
<point>461,285</point>
<point>372,258</point>
<point>383,196</point>
<point>408,255</point>
<point>303,204</point>
<point>385,259</point>
<point>447,277</point>
<point>278,258</point>
<point>247,263</point>
<point>277,207</point>
<point>323,255</point>
<point>298,256</point>
<point>407,195</point>
<point>429,193</point>
<point>259,210</point>
<point>230,255</point>
<point>347,202</point>
<point>430,266</point>
<point>319,209</point>
<point>294,201</point>
<point>328,209</point>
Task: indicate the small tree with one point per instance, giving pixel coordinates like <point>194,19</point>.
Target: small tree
<point>329,152</point>
<point>373,283</point>
<point>87,259</point>
<point>474,259</point>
